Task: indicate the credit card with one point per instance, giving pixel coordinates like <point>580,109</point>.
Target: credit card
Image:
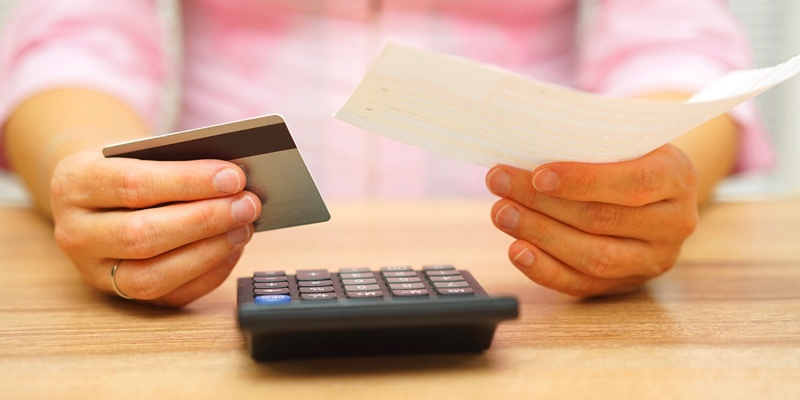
<point>263,148</point>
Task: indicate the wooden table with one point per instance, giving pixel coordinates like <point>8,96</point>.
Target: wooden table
<point>724,323</point>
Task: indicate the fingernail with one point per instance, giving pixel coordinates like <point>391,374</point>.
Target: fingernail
<point>499,182</point>
<point>524,258</point>
<point>508,217</point>
<point>227,181</point>
<point>239,235</point>
<point>243,210</point>
<point>546,180</point>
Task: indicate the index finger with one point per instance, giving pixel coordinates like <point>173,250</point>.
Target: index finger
<point>657,176</point>
<point>130,183</point>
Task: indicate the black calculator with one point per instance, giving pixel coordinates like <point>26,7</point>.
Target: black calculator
<point>365,311</point>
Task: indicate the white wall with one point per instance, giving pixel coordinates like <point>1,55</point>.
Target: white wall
<point>775,35</point>
<point>4,4</point>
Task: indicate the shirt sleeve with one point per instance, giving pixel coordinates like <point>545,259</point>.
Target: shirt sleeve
<point>634,47</point>
<point>112,46</point>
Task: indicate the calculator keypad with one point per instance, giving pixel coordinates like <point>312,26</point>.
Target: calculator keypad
<point>386,283</point>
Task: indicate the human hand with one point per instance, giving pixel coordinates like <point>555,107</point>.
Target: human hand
<point>179,227</point>
<point>593,229</point>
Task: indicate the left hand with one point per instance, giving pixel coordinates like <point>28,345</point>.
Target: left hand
<point>179,226</point>
<point>593,229</point>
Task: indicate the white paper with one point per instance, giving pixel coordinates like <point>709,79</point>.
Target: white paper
<point>488,116</point>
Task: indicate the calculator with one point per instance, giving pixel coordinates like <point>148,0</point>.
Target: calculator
<point>365,311</point>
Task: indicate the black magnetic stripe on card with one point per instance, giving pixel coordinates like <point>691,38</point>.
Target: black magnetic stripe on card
<point>225,146</point>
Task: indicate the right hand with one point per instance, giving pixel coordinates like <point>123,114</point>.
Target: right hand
<point>590,229</point>
<point>179,227</point>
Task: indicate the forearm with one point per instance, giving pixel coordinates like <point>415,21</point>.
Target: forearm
<point>711,147</point>
<point>54,124</point>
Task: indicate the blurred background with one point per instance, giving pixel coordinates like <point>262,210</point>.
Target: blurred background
<point>775,35</point>
<point>774,29</point>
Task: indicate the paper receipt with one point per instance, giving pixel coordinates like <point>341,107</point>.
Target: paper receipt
<point>486,115</point>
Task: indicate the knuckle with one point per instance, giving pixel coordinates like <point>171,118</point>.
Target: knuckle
<point>206,220</point>
<point>601,217</point>
<point>66,240</point>
<point>587,186</point>
<point>57,187</point>
<point>143,285</point>
<point>602,261</point>
<point>542,232</point>
<point>644,183</point>
<point>530,198</point>
<point>684,224</point>
<point>62,184</point>
<point>138,237</point>
<point>131,188</point>
<point>689,224</point>
<point>187,186</point>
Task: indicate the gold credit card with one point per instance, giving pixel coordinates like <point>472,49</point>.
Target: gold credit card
<point>263,147</point>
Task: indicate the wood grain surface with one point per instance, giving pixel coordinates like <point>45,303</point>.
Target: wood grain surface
<point>724,323</point>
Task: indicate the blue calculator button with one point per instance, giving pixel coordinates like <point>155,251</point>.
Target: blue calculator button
<point>272,299</point>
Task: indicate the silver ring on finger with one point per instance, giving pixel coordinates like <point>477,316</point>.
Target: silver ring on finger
<point>114,282</point>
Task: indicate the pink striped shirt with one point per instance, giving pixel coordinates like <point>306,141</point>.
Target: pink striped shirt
<point>302,58</point>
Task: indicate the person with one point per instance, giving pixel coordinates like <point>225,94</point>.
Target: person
<point>80,74</point>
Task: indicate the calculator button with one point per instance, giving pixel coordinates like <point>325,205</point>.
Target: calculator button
<point>318,296</point>
<point>268,285</point>
<point>315,283</point>
<point>312,274</point>
<point>396,268</point>
<point>360,288</point>
<point>272,299</point>
<point>269,273</point>
<point>450,284</point>
<point>409,292</point>
<point>357,275</point>
<point>271,291</point>
<point>402,286</point>
<point>454,291</point>
<point>282,278</point>
<point>360,281</point>
<point>315,289</point>
<point>365,294</point>
<point>448,278</point>
<point>404,279</point>
<point>354,269</point>
<point>437,267</point>
<point>395,274</point>
<point>442,272</point>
